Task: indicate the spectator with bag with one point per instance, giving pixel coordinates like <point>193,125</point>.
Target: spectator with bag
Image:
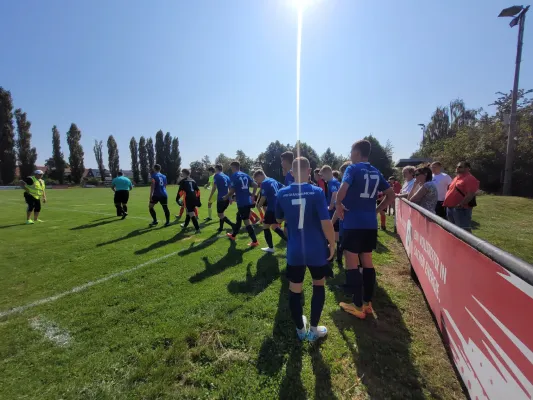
<point>461,197</point>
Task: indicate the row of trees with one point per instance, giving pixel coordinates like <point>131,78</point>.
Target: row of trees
<point>16,150</point>
<point>457,133</point>
<point>147,152</point>
<point>270,160</point>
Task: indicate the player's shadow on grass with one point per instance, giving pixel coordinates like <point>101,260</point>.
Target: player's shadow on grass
<point>161,243</point>
<point>194,246</point>
<point>267,271</point>
<point>99,222</point>
<point>232,258</point>
<point>11,226</point>
<point>132,234</point>
<point>381,351</point>
<point>381,248</point>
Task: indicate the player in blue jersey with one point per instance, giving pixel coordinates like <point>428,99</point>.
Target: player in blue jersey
<point>158,194</point>
<point>333,186</point>
<point>240,186</point>
<point>221,183</point>
<point>356,206</point>
<point>269,191</point>
<point>303,208</point>
<point>286,164</point>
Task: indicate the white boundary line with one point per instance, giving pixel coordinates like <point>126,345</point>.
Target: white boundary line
<point>78,211</point>
<point>80,288</point>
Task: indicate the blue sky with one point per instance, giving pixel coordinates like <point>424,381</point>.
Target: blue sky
<point>221,74</point>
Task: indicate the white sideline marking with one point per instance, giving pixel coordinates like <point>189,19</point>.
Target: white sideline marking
<point>51,331</point>
<point>80,288</point>
<point>78,211</point>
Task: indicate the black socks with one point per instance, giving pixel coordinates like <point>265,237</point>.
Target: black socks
<point>280,233</point>
<point>167,213</point>
<point>369,281</point>
<point>251,232</point>
<point>354,283</point>
<point>317,304</point>
<point>195,223</point>
<point>153,214</point>
<point>268,237</point>
<point>295,305</point>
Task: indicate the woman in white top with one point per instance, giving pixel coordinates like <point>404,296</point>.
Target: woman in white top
<point>424,191</point>
<point>409,180</point>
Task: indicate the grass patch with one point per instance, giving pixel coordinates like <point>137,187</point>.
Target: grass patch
<point>506,222</point>
<point>209,320</point>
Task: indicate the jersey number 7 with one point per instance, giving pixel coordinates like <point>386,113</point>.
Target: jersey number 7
<point>300,202</point>
<point>365,194</point>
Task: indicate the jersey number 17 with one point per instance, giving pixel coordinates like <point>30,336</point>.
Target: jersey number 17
<point>368,178</point>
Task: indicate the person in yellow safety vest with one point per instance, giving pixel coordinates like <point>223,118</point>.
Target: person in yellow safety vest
<point>34,190</point>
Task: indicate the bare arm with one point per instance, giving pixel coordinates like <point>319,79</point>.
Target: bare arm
<point>416,197</point>
<point>213,190</point>
<point>388,199</point>
<point>341,194</point>
<point>231,191</point>
<point>469,196</point>
<point>329,232</point>
<point>23,185</point>
<point>152,190</point>
<point>333,200</point>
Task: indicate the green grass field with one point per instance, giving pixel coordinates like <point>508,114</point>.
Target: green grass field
<point>191,316</point>
<point>506,222</point>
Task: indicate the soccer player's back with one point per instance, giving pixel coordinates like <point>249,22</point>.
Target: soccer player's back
<point>189,189</point>
<point>356,205</point>
<point>221,183</point>
<point>158,194</point>
<point>303,207</point>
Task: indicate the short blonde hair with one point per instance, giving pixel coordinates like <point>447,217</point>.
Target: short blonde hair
<point>326,168</point>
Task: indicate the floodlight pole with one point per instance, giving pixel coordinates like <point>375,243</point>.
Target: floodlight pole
<point>507,179</point>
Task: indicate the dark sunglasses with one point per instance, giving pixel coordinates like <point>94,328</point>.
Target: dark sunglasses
<point>418,174</point>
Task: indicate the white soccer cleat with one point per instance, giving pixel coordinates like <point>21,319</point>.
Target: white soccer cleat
<point>316,333</point>
<point>268,250</point>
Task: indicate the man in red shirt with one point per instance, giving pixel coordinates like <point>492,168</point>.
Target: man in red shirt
<point>321,183</point>
<point>460,197</point>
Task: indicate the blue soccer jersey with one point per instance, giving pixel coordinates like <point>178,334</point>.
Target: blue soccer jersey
<point>160,184</point>
<point>222,183</point>
<point>269,190</point>
<point>242,182</point>
<point>289,178</point>
<point>303,206</point>
<point>365,182</point>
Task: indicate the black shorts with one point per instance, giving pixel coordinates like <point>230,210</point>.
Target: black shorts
<point>336,226</point>
<point>244,212</point>
<point>33,203</point>
<point>270,218</point>
<point>191,203</point>
<point>122,196</point>
<point>360,240</point>
<point>296,274</point>
<point>222,206</point>
<point>159,199</point>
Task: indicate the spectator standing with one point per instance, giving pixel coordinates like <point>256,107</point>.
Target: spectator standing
<point>424,192</point>
<point>409,180</point>
<point>442,181</point>
<point>397,187</point>
<point>460,197</point>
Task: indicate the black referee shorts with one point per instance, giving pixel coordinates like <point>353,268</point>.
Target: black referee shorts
<point>360,240</point>
<point>33,203</point>
<point>122,196</point>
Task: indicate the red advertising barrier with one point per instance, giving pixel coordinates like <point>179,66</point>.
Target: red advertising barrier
<point>484,311</point>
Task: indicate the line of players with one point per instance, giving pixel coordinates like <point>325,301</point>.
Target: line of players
<point>321,221</point>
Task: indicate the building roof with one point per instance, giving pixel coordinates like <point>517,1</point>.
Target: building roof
<point>404,162</point>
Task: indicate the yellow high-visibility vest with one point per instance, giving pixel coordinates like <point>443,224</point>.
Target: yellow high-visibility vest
<point>36,190</point>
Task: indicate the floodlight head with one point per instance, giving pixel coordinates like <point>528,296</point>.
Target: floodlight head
<point>511,11</point>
